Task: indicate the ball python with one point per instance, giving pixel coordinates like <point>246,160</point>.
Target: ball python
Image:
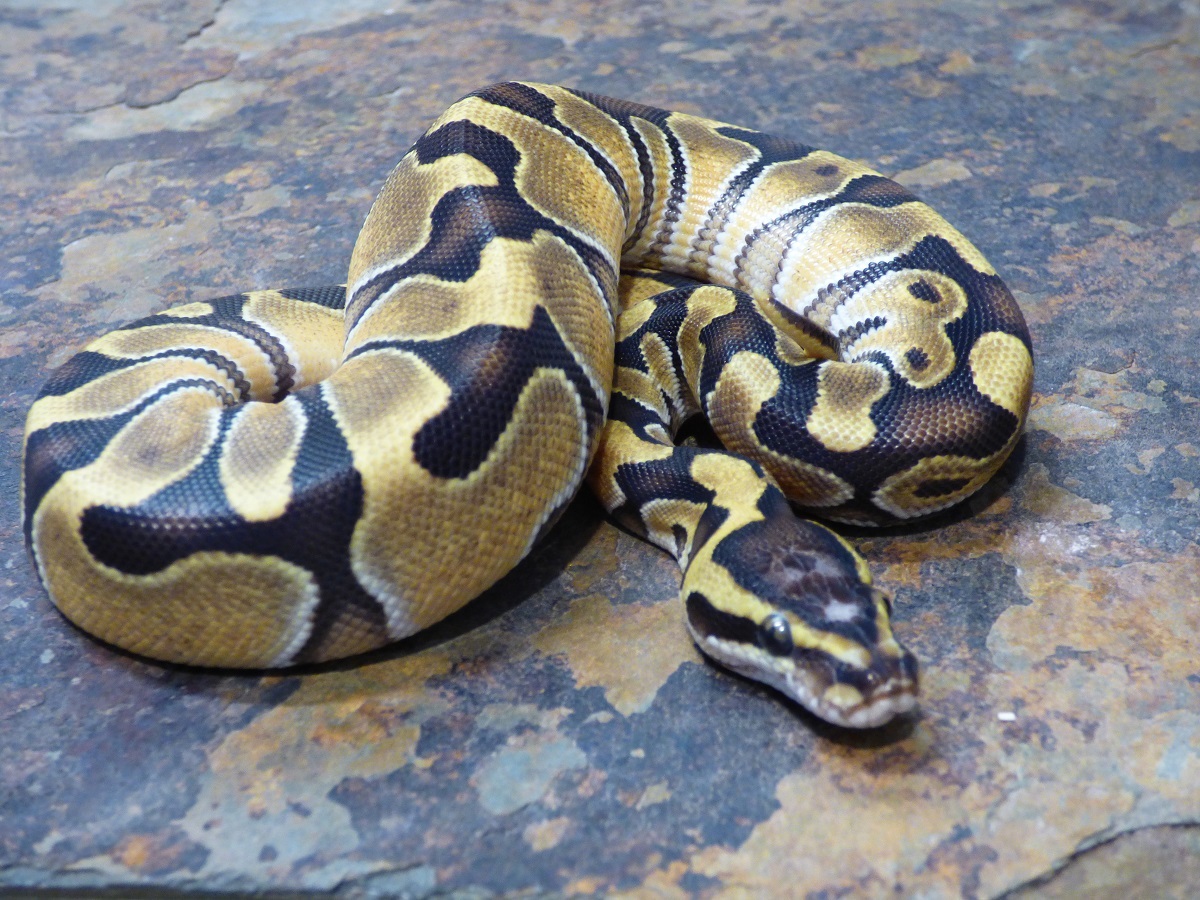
<point>291,476</point>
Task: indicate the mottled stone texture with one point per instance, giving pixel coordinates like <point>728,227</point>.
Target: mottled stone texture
<point>561,735</point>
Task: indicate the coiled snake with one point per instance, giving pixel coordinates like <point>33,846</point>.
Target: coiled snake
<point>288,476</point>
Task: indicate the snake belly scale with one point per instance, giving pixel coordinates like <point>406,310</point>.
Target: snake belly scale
<point>549,284</point>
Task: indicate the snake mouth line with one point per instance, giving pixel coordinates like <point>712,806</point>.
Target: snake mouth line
<point>846,706</point>
<point>878,710</point>
<point>892,698</point>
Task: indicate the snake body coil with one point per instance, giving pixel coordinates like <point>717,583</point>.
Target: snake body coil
<point>299,475</point>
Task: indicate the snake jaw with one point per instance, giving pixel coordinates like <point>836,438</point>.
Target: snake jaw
<point>841,694</point>
<point>852,695</point>
<point>888,694</point>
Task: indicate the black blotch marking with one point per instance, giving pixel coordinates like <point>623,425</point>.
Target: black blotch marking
<point>670,312</point>
<point>680,534</point>
<point>798,567</point>
<point>87,366</point>
<point>526,100</point>
<point>876,191</point>
<point>991,306</point>
<point>65,446</point>
<point>520,98</point>
<point>624,110</point>
<point>923,290</point>
<point>639,417</point>
<point>660,479</point>
<point>826,170</point>
<point>331,296</point>
<point>314,531</point>
<point>83,367</point>
<point>710,521</point>
<point>486,367</point>
<point>466,219</point>
<point>771,149</point>
<point>917,358</point>
<point>745,328</point>
<point>706,619</point>
<point>669,280</point>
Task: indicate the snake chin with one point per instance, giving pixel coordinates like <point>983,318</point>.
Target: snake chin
<point>894,698</point>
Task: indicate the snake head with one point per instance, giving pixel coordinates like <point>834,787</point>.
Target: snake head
<point>788,603</point>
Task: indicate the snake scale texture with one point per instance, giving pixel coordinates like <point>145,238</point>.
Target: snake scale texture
<point>548,286</point>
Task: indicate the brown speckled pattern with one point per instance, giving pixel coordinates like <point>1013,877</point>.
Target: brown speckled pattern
<point>157,155</point>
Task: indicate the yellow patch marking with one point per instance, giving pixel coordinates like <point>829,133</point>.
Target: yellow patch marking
<point>634,315</point>
<point>841,417</point>
<point>209,609</point>
<point>662,371</point>
<point>642,388</point>
<point>637,285</point>
<point>399,221</point>
<point>843,696</point>
<point>189,310</point>
<point>840,648</point>
<point>253,364</point>
<point>609,139</point>
<point>886,642</point>
<point>120,391</point>
<point>782,188</point>
<point>578,196</point>
<point>661,515</point>
<point>618,445</point>
<point>747,382</point>
<point>704,305</point>
<point>737,488</point>
<point>899,495</point>
<point>158,447</point>
<point>312,335</point>
<point>1003,371</point>
<point>256,461</point>
<point>848,236</point>
<point>804,483</point>
<point>792,352</point>
<point>914,333</point>
<point>513,278</point>
<point>417,544</point>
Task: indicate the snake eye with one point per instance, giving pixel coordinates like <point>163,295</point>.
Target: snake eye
<point>775,635</point>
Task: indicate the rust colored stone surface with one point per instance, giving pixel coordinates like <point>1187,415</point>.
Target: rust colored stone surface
<point>561,735</point>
